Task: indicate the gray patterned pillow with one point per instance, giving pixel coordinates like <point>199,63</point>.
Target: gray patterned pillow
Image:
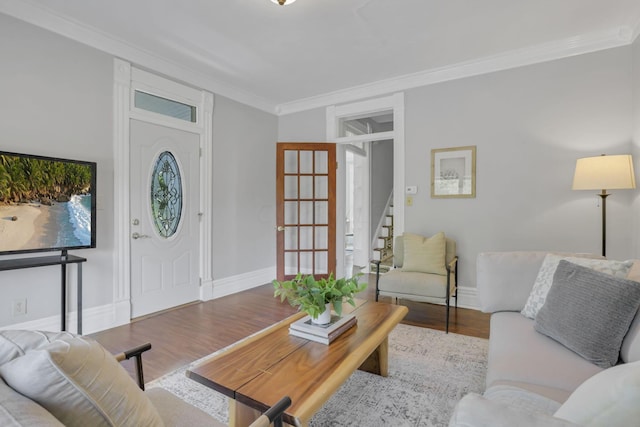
<point>545,277</point>
<point>589,312</point>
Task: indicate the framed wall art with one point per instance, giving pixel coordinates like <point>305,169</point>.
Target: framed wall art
<point>453,172</point>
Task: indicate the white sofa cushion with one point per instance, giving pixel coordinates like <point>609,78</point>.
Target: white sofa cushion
<point>520,355</point>
<point>526,400</point>
<point>544,279</point>
<point>81,384</point>
<point>610,398</point>
<point>630,351</point>
<point>476,411</point>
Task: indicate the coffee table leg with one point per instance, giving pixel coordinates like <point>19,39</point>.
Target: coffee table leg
<point>241,415</point>
<point>378,361</point>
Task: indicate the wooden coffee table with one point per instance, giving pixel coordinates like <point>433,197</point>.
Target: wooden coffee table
<point>257,371</point>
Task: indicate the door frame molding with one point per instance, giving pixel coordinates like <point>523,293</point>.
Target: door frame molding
<point>126,80</point>
<point>334,113</point>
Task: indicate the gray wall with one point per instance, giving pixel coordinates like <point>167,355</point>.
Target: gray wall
<point>529,124</point>
<point>306,126</point>
<point>635,81</point>
<point>244,189</point>
<point>56,101</point>
<point>381,179</point>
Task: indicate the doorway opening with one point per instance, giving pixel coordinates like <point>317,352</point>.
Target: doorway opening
<point>370,188</point>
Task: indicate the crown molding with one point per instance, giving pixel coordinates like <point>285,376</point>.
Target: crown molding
<point>74,30</point>
<point>572,46</point>
<point>38,15</point>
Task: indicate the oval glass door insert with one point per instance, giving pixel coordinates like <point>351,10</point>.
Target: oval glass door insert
<point>166,194</point>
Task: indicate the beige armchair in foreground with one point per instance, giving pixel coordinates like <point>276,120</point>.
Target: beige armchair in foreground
<point>62,379</point>
<point>425,270</point>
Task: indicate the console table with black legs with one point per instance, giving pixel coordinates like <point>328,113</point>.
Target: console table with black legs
<point>61,260</point>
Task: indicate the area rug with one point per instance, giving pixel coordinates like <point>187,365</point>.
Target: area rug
<point>429,371</point>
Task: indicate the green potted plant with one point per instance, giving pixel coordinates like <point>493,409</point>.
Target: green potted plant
<point>315,297</point>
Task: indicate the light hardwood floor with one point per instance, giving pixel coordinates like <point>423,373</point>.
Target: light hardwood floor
<point>184,334</point>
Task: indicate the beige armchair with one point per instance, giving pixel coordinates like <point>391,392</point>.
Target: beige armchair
<point>434,280</point>
<point>61,379</point>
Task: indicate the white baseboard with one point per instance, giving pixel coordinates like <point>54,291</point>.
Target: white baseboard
<point>242,282</point>
<point>93,320</point>
<point>468,298</point>
<point>107,316</point>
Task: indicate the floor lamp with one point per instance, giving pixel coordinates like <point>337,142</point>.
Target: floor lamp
<point>604,173</point>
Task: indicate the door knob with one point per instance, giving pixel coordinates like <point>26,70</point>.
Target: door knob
<point>280,228</point>
<point>137,236</point>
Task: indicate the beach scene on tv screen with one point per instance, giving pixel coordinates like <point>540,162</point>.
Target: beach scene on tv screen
<point>44,203</point>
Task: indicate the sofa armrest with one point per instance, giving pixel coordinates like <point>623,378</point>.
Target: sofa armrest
<point>474,410</point>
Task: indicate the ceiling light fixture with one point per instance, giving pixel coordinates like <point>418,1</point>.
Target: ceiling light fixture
<point>283,2</point>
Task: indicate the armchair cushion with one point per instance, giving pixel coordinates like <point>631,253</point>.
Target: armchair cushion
<point>75,379</point>
<point>412,284</point>
<point>17,410</point>
<point>176,412</point>
<point>425,254</point>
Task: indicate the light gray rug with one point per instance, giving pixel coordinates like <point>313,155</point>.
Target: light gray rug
<point>429,371</point>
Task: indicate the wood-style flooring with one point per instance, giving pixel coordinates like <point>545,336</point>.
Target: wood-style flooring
<point>184,334</point>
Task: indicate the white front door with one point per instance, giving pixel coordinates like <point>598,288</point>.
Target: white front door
<point>164,217</point>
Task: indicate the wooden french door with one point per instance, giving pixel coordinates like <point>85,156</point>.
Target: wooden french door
<point>306,209</point>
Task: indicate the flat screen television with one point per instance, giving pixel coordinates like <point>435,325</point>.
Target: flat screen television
<point>46,204</point>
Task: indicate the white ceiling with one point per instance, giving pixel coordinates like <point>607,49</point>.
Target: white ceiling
<point>280,58</point>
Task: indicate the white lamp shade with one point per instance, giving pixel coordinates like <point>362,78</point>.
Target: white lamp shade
<point>604,173</point>
<point>287,3</point>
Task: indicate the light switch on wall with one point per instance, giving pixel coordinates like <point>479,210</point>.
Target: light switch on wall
<point>409,200</point>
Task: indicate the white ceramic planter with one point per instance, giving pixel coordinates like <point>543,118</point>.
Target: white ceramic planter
<point>324,317</point>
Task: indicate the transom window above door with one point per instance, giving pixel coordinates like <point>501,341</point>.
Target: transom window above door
<point>164,106</point>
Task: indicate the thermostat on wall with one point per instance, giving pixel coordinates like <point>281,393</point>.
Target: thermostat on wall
<point>412,189</point>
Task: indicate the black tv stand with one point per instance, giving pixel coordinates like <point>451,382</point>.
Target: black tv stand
<point>62,260</point>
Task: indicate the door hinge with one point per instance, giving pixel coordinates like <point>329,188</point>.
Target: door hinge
<point>200,152</point>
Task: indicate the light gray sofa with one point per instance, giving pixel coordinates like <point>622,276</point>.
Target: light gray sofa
<point>530,376</point>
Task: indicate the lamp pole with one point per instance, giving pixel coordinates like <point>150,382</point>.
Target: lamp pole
<point>604,195</point>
